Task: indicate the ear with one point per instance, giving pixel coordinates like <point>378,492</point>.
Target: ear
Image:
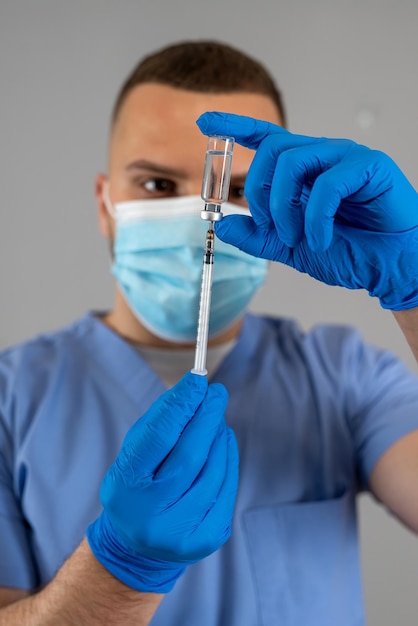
<point>104,219</point>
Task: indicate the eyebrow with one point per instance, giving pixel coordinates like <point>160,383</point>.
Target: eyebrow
<point>164,170</point>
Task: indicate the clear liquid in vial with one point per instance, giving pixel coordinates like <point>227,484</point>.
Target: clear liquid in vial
<point>216,176</point>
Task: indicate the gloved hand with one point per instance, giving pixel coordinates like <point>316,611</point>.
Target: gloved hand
<point>169,497</point>
<point>331,208</point>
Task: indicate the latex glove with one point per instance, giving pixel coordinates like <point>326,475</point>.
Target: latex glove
<point>169,497</point>
<point>331,208</point>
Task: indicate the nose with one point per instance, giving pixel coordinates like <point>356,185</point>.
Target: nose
<point>196,190</point>
<point>193,187</point>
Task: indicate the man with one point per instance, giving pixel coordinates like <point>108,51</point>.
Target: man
<point>317,417</point>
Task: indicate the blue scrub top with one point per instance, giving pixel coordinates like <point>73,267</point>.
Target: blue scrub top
<point>312,413</point>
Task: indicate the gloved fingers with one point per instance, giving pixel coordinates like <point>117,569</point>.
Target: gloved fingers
<point>329,190</point>
<point>242,232</point>
<point>247,131</point>
<point>153,436</point>
<point>202,494</point>
<point>193,448</point>
<point>296,171</point>
<point>216,525</point>
<point>377,204</point>
<point>315,183</point>
<point>271,154</point>
<point>212,500</point>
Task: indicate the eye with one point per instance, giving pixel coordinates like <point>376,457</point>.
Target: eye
<point>236,194</point>
<point>159,186</point>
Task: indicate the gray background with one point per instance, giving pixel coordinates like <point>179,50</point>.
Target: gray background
<point>347,68</point>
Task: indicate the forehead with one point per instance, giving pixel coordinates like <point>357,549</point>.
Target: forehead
<point>158,121</point>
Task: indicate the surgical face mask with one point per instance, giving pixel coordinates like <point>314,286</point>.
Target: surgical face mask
<point>158,254</point>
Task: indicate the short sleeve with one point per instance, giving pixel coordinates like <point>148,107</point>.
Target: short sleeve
<point>16,563</point>
<point>381,403</point>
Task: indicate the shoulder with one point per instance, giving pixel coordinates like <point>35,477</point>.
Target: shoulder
<point>47,342</point>
<point>338,352</point>
<point>24,365</point>
<point>332,340</point>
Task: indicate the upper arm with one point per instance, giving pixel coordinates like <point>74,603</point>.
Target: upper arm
<point>381,405</point>
<point>394,479</point>
<point>8,595</point>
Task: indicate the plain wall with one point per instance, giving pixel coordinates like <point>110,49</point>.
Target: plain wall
<point>346,68</point>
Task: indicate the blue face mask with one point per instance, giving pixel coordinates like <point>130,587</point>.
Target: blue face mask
<point>158,254</point>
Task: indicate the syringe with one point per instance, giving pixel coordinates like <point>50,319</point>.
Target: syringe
<point>215,190</point>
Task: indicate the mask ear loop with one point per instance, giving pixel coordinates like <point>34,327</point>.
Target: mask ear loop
<point>106,200</point>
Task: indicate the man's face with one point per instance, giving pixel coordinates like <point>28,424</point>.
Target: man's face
<point>157,151</point>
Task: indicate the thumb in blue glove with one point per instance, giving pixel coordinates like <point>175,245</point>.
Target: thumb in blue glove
<point>169,497</point>
<point>336,210</point>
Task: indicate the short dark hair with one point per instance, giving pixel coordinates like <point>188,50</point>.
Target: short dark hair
<point>203,66</point>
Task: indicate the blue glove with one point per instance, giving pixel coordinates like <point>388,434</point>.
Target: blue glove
<point>331,208</point>
<point>169,497</point>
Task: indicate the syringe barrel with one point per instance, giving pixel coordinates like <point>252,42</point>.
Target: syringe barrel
<point>203,324</point>
<point>217,173</point>
<point>215,191</point>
